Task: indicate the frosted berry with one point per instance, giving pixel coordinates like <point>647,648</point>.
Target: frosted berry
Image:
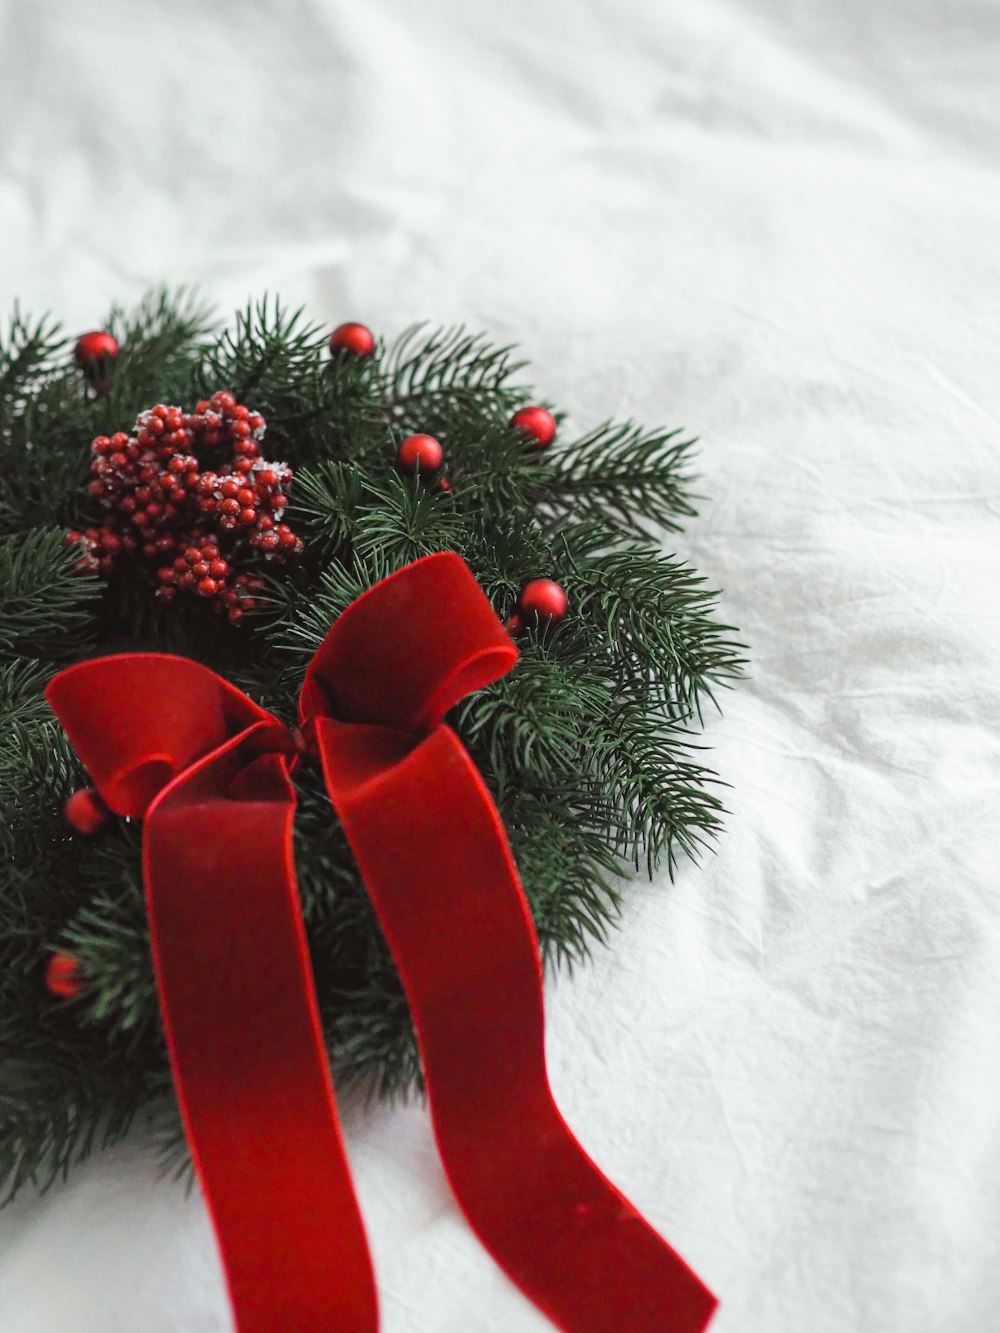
<point>195,523</point>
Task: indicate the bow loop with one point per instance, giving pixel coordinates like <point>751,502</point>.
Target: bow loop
<point>166,738</point>
<point>408,649</point>
<point>139,719</point>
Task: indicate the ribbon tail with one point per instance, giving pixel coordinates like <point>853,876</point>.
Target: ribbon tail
<point>435,859</point>
<point>246,1047</point>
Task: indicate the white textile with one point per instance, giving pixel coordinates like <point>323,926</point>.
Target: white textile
<point>778,224</point>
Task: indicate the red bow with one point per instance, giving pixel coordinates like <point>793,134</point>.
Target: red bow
<point>166,739</point>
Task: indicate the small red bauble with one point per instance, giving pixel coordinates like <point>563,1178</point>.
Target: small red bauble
<point>538,423</point>
<point>353,339</point>
<point>95,353</point>
<point>86,812</point>
<point>62,975</point>
<point>94,346</point>
<point>542,601</point>
<point>421,451</point>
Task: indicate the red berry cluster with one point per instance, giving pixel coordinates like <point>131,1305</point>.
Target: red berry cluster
<point>190,520</point>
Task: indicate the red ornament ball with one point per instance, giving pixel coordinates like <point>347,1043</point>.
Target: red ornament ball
<point>352,340</point>
<point>542,601</point>
<point>86,812</point>
<point>95,354</point>
<point>421,451</point>
<point>62,975</point>
<point>95,346</point>
<point>537,423</point>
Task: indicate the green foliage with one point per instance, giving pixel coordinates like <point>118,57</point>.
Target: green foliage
<point>46,600</point>
<point>624,476</point>
<point>586,746</point>
<point>29,352</point>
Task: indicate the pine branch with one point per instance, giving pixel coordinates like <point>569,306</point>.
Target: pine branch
<point>46,602</point>
<point>270,357</point>
<point>113,950</point>
<point>157,342</point>
<point>532,727</point>
<point>52,1118</point>
<point>167,324</point>
<point>660,794</point>
<point>623,476</point>
<point>327,503</point>
<point>45,422</point>
<point>22,698</point>
<point>29,350</point>
<point>403,521</point>
<point>569,875</point>
<point>109,934</point>
<point>658,614</point>
<point>304,628</point>
<point>451,363</point>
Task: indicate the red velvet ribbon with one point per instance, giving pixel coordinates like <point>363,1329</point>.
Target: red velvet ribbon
<point>167,740</point>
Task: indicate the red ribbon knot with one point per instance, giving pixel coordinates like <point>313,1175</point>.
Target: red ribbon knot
<point>167,740</point>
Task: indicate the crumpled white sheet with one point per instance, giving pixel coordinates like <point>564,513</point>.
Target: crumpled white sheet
<point>777,224</point>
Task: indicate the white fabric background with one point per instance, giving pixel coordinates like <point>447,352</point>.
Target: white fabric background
<point>775,223</point>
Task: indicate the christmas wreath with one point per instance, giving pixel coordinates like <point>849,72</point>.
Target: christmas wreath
<point>225,496</point>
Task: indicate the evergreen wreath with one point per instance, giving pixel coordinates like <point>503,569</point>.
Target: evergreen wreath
<point>386,454</point>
